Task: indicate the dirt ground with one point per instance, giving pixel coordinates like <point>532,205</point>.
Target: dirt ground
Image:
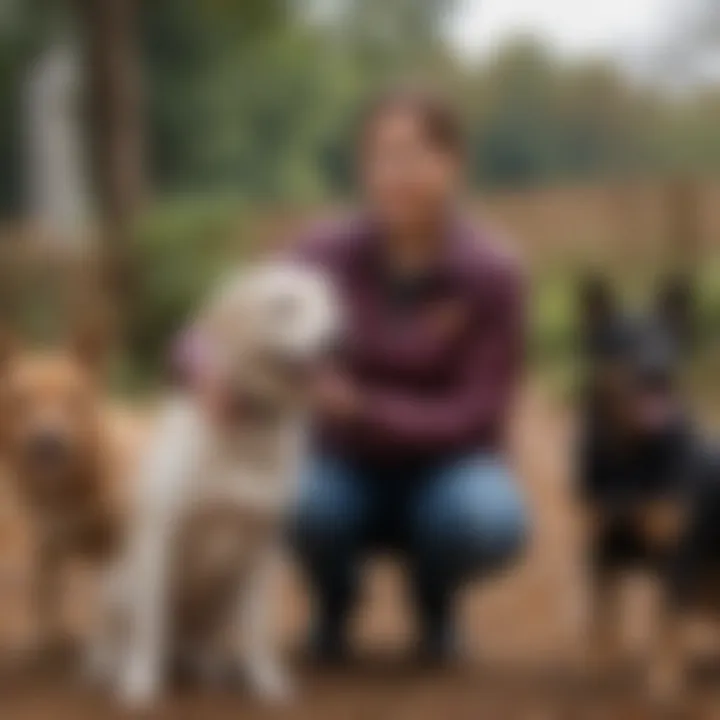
<point>522,633</point>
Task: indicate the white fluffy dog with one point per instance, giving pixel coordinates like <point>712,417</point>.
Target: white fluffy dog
<point>214,488</point>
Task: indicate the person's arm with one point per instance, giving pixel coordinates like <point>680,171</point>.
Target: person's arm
<point>480,397</point>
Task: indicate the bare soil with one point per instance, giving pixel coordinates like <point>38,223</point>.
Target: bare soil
<point>522,634</point>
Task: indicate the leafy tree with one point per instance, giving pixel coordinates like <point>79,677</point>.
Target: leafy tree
<point>257,98</point>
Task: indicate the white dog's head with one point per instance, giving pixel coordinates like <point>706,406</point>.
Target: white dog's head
<point>269,326</point>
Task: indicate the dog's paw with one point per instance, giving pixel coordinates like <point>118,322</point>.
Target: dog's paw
<point>98,665</point>
<point>139,687</point>
<point>271,683</point>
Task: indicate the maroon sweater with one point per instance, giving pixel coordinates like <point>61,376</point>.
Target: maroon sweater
<point>436,362</point>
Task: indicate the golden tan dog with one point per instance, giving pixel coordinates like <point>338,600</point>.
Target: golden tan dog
<point>63,452</point>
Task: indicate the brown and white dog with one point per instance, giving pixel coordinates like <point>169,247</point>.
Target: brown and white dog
<point>62,453</point>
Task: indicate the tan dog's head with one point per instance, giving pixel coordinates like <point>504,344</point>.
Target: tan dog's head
<point>268,329</point>
<point>49,415</point>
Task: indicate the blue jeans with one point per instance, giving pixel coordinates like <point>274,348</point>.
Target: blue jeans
<point>452,521</point>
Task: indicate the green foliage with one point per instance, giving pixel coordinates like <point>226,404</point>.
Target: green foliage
<point>274,118</point>
<point>536,119</point>
<point>19,37</point>
<point>181,249</point>
<point>387,39</point>
<point>258,97</point>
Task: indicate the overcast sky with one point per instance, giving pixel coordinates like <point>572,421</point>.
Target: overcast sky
<point>625,28</point>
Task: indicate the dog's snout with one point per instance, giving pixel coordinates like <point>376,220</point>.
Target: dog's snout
<point>47,448</point>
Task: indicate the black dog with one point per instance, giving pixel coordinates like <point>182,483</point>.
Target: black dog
<point>649,486</point>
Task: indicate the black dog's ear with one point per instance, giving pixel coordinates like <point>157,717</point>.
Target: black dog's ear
<point>597,308</point>
<point>676,307</point>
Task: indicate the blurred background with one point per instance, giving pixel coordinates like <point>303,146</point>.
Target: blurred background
<point>182,132</point>
<point>181,136</point>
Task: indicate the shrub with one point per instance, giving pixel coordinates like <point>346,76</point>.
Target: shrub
<point>180,249</point>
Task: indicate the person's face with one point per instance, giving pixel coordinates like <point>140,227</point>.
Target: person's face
<point>407,178</point>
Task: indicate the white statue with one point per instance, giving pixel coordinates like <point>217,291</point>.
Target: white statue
<point>56,178</point>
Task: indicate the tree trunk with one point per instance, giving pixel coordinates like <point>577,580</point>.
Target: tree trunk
<point>115,124</point>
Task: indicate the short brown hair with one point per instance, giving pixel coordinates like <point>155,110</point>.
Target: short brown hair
<point>436,114</point>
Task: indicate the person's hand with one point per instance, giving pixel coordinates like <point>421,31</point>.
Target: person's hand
<point>337,396</point>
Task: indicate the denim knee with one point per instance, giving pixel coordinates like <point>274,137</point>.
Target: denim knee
<point>499,538</point>
<point>471,522</point>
